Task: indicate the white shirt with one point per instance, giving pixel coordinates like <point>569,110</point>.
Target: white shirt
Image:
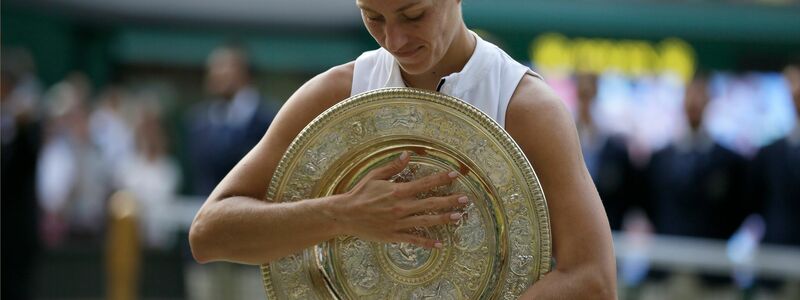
<point>487,81</point>
<point>238,111</point>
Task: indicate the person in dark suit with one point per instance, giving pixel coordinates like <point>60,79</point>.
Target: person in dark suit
<point>223,129</point>
<point>695,184</point>
<point>606,156</point>
<point>776,177</point>
<point>220,131</point>
<point>21,140</point>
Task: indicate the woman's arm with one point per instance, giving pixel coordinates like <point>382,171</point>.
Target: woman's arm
<point>237,223</point>
<point>582,245</point>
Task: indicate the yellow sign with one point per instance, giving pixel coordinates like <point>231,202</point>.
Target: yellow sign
<point>553,52</point>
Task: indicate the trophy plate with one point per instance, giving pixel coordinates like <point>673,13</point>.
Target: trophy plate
<point>498,249</point>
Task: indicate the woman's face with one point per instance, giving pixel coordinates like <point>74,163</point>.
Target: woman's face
<point>417,33</point>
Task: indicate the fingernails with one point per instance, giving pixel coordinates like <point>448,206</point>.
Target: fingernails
<point>438,245</point>
<point>404,155</point>
<point>453,174</point>
<point>463,200</point>
<point>455,216</point>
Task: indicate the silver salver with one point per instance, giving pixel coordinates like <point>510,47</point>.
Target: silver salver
<point>500,247</point>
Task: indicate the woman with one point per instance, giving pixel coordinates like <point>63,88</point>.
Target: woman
<point>424,44</point>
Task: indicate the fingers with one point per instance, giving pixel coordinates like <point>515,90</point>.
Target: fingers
<point>390,169</point>
<point>427,183</point>
<point>429,220</point>
<point>434,204</point>
<point>417,240</point>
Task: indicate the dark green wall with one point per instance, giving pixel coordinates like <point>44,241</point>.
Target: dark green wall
<point>61,44</point>
<point>724,36</point>
<point>51,40</point>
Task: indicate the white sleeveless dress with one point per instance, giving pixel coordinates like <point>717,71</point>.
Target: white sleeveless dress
<point>487,81</point>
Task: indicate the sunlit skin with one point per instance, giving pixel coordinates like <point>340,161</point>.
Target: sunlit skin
<point>429,40</point>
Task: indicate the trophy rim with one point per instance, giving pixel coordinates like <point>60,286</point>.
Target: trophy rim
<point>455,105</point>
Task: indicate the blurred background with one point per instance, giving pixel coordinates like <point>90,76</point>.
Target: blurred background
<point>119,117</point>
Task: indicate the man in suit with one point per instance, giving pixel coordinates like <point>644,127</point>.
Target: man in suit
<point>696,185</point>
<point>776,177</point>
<point>223,129</point>
<point>606,156</point>
<point>21,140</point>
<point>220,131</point>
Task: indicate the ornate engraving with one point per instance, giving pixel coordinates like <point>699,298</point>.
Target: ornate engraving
<point>471,267</point>
<point>467,267</point>
<point>520,264</point>
<point>407,256</point>
<point>516,208</point>
<point>443,289</point>
<point>470,235</point>
<point>289,265</point>
<point>296,285</point>
<point>476,148</point>
<point>360,267</point>
<point>393,117</point>
<point>352,133</point>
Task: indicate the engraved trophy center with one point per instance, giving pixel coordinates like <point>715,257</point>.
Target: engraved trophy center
<point>407,256</point>
<point>408,260</point>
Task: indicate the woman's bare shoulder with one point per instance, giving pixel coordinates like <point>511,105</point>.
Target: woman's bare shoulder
<point>327,88</point>
<point>314,97</point>
<point>544,129</point>
<point>310,100</point>
<point>535,104</point>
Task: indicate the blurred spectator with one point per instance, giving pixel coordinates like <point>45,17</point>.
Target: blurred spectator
<point>606,156</point>
<point>222,130</point>
<point>152,175</point>
<point>24,88</point>
<point>634,266</point>
<point>72,180</point>
<point>20,147</point>
<point>109,127</point>
<point>695,184</point>
<point>776,177</point>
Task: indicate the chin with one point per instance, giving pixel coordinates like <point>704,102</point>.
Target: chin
<point>411,71</point>
<point>415,68</point>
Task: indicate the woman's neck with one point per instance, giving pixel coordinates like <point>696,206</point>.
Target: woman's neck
<point>454,60</point>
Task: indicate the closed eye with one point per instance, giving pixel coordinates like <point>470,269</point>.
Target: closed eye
<point>414,18</point>
<point>372,17</point>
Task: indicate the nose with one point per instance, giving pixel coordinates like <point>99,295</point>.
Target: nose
<point>395,37</point>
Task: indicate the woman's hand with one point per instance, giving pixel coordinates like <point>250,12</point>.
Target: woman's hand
<point>379,210</point>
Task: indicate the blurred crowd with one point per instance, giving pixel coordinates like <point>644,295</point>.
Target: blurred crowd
<point>691,184</point>
<point>694,185</point>
<point>68,147</point>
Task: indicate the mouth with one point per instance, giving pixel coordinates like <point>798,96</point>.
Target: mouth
<point>407,53</point>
